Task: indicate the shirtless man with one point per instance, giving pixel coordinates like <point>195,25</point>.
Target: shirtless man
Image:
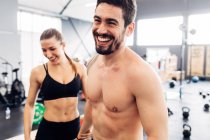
<point>124,94</point>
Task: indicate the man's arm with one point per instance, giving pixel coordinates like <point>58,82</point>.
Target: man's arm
<point>151,104</point>
<point>85,130</point>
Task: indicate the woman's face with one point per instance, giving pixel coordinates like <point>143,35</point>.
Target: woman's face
<point>52,49</point>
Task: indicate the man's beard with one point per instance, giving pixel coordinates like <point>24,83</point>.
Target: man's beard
<point>110,49</point>
<point>99,50</point>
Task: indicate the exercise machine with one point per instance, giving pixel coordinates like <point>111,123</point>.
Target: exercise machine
<point>12,95</point>
<point>17,90</point>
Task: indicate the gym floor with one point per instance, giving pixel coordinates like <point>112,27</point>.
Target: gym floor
<point>199,120</point>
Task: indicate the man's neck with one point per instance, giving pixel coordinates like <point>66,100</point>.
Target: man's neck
<point>114,58</point>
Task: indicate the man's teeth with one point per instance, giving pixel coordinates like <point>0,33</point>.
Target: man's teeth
<point>103,39</point>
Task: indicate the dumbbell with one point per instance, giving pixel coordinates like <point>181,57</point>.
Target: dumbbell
<point>200,92</point>
<point>203,94</point>
<point>185,112</point>
<point>206,107</point>
<point>172,83</point>
<point>186,130</point>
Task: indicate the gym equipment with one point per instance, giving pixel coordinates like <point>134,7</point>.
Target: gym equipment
<point>206,107</point>
<point>186,130</point>
<point>195,79</point>
<point>172,83</point>
<point>203,94</point>
<point>185,112</point>
<point>4,93</point>
<point>3,100</point>
<point>200,92</point>
<point>17,86</point>
<point>183,28</point>
<point>39,113</point>
<point>17,93</point>
<point>202,78</point>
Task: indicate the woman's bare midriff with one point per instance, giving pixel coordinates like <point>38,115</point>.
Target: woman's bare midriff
<point>61,110</point>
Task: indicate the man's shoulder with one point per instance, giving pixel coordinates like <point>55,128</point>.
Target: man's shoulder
<point>137,67</point>
<point>91,61</point>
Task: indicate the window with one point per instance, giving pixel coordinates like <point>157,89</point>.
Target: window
<point>159,31</point>
<point>36,23</point>
<point>199,29</point>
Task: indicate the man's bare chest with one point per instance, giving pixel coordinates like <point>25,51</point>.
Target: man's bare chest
<point>109,88</point>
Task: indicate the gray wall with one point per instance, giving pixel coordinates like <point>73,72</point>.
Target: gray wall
<point>9,38</point>
<point>158,8</point>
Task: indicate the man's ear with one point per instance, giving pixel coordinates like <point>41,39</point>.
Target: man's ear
<point>130,28</point>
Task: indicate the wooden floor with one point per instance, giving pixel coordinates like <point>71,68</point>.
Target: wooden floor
<point>199,120</point>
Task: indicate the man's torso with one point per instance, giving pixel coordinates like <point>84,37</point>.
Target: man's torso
<point>114,111</point>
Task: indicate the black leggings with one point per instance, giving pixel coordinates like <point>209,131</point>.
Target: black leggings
<point>58,130</point>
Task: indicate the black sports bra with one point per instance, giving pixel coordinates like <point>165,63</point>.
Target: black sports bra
<point>51,89</point>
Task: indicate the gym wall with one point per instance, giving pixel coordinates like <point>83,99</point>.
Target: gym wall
<point>9,38</point>
<point>171,8</point>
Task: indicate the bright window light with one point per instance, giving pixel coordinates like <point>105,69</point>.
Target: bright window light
<point>159,31</point>
<point>24,21</point>
<point>200,24</point>
<point>37,23</point>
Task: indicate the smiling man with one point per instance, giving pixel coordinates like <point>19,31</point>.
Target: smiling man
<point>124,94</point>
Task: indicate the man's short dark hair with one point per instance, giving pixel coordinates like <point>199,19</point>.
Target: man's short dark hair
<point>128,7</point>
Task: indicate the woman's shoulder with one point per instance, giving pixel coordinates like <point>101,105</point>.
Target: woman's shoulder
<point>38,73</point>
<point>37,70</point>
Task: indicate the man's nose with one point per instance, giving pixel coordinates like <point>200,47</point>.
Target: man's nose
<point>102,29</point>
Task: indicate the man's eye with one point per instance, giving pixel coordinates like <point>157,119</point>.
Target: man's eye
<point>96,21</point>
<point>111,23</point>
<point>52,49</point>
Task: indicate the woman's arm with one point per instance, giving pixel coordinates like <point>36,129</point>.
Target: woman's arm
<point>29,106</point>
